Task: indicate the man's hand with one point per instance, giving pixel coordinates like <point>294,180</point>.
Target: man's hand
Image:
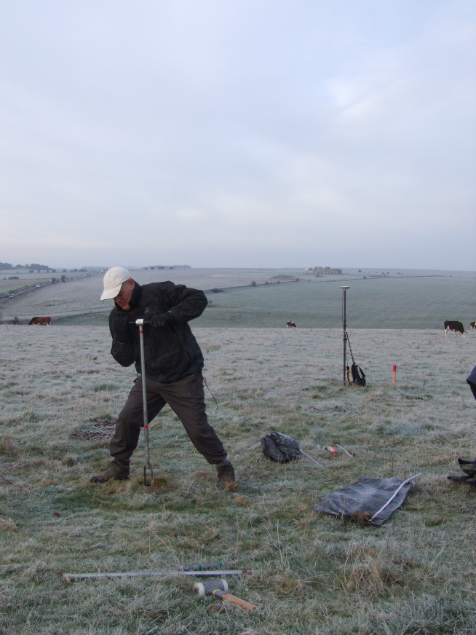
<point>154,320</point>
<point>160,320</point>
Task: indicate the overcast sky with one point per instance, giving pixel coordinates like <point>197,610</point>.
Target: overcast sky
<point>238,133</point>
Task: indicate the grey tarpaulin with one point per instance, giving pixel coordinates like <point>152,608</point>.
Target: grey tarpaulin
<point>363,499</point>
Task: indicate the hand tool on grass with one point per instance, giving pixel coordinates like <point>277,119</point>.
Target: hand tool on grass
<point>147,466</point>
<point>333,451</point>
<point>219,588</point>
<point>352,456</point>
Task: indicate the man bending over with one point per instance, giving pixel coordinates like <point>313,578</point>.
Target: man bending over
<point>173,364</point>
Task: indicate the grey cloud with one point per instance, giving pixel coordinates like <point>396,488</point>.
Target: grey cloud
<point>239,133</point>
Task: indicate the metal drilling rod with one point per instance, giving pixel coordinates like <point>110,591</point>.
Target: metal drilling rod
<point>147,466</point>
<point>144,391</point>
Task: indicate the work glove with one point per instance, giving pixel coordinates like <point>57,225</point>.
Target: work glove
<point>160,319</point>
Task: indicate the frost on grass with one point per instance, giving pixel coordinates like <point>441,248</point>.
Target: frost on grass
<point>61,393</point>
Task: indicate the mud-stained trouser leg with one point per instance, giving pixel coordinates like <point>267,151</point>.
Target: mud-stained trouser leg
<point>186,398</point>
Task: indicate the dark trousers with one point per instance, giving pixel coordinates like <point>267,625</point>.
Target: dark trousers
<point>186,398</point>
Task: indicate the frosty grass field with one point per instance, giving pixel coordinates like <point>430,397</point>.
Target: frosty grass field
<point>313,574</point>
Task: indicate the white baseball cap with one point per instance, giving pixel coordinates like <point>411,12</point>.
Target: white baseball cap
<point>113,280</point>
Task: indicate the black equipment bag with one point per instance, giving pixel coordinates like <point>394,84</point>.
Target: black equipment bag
<point>280,447</point>
<point>358,375</point>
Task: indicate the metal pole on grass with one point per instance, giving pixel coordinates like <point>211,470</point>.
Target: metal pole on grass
<point>147,466</point>
<point>344,324</point>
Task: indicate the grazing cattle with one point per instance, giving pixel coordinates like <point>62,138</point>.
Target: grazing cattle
<point>291,325</point>
<point>472,326</point>
<point>457,327</point>
<point>46,321</point>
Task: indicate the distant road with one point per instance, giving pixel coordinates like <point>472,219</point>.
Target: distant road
<point>22,291</point>
<point>38,285</point>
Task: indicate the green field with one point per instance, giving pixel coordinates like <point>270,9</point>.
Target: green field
<point>389,303</point>
<point>415,303</point>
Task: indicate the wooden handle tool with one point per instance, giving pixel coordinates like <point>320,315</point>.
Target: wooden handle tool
<point>234,599</point>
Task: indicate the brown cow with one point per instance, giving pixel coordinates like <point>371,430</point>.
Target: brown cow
<point>46,321</point>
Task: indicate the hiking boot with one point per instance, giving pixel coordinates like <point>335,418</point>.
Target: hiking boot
<point>115,470</point>
<point>459,479</point>
<point>225,475</point>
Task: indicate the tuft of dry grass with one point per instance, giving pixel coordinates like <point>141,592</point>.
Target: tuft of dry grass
<point>7,524</point>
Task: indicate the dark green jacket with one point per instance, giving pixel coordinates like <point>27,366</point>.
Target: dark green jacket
<point>171,350</point>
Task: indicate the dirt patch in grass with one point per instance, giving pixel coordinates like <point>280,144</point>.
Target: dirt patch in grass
<point>97,429</point>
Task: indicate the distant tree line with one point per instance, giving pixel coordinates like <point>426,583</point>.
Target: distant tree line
<point>32,267</point>
<point>168,267</point>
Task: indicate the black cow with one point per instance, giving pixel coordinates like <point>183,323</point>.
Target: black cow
<point>457,327</point>
<point>472,326</point>
<point>291,325</point>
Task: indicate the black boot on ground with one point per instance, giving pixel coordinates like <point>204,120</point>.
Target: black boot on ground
<point>115,470</point>
<point>225,474</point>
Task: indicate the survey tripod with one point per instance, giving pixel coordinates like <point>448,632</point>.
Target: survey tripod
<point>353,375</point>
<point>345,334</point>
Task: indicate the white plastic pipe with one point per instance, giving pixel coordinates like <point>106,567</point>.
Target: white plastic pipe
<point>134,574</point>
<point>393,496</point>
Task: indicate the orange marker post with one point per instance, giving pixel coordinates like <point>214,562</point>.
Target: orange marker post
<point>394,377</point>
